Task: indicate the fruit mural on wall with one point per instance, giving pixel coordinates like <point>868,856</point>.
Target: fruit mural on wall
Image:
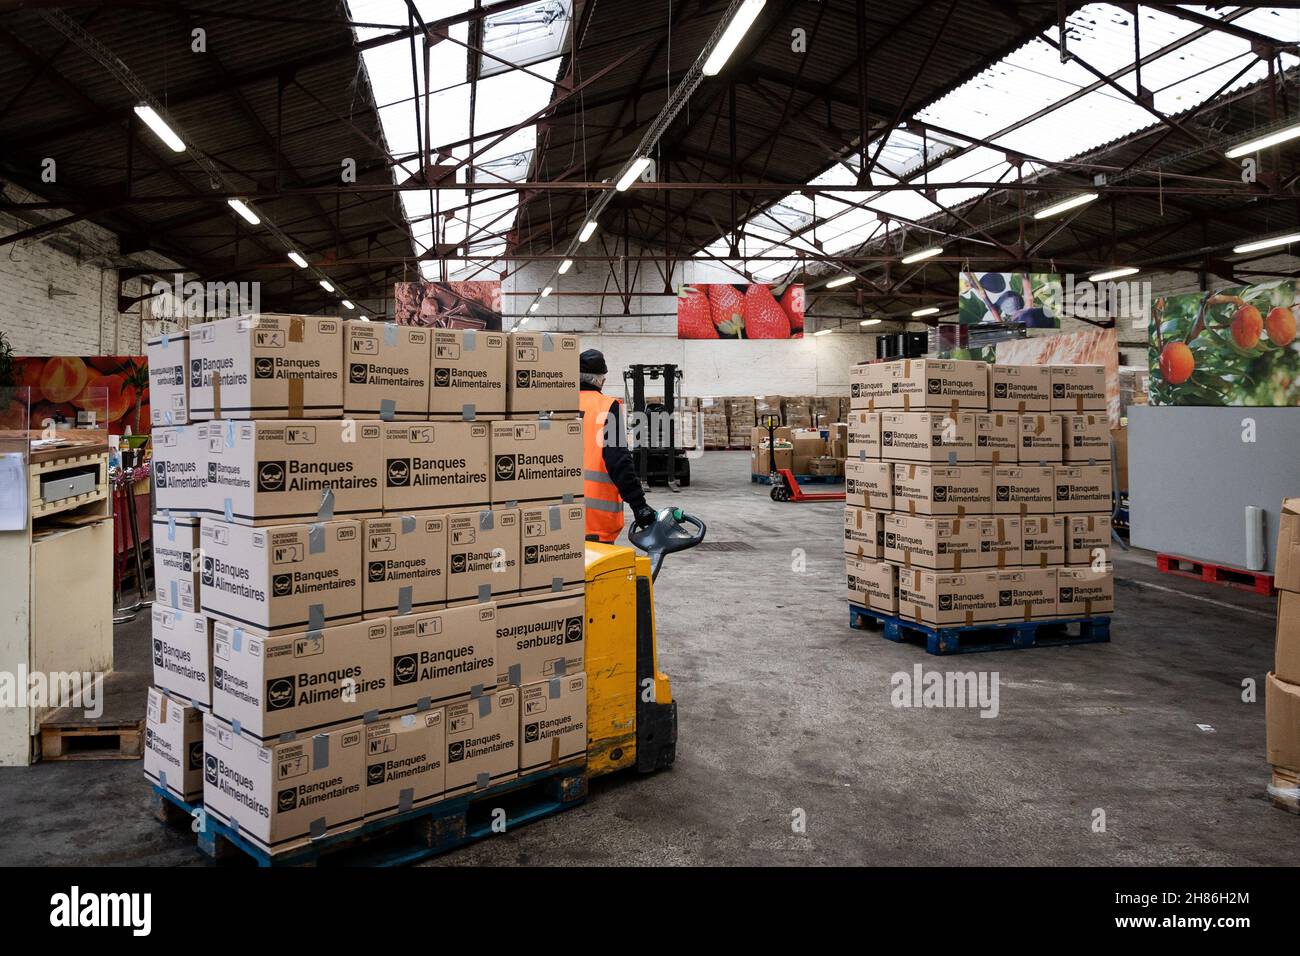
<point>62,385</point>
<point>720,310</point>
<point>472,304</point>
<point>1234,345</point>
<point>1033,298</point>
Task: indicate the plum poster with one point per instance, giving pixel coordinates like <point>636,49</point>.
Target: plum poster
<point>1234,345</point>
<point>1033,298</point>
<point>720,310</point>
<point>449,305</point>
<point>63,385</point>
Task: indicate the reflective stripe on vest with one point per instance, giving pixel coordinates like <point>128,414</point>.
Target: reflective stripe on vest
<point>604,506</point>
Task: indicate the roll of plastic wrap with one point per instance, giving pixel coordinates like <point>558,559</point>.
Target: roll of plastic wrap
<point>1254,538</point>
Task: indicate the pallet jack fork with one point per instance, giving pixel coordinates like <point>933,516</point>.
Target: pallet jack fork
<point>785,486</point>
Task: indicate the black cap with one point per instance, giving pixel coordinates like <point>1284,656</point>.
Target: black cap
<point>592,362</point>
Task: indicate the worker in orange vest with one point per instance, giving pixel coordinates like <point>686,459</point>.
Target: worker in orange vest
<point>608,476</point>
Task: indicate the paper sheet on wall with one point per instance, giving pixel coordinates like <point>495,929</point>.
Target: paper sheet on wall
<point>13,492</point>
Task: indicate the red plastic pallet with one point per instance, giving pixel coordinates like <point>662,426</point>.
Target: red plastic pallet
<point>1255,581</point>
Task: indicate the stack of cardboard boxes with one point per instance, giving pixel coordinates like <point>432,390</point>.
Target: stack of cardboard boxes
<point>978,493</point>
<point>742,416</point>
<point>1282,700</point>
<point>805,451</point>
<point>369,548</point>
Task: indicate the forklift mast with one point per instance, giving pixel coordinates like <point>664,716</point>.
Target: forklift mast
<point>657,450</point>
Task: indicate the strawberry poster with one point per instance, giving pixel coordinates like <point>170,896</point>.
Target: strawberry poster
<point>63,385</point>
<point>720,310</point>
<point>1234,345</point>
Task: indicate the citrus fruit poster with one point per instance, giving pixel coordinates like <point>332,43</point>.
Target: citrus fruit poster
<point>1234,345</point>
<point>62,385</point>
<point>720,310</point>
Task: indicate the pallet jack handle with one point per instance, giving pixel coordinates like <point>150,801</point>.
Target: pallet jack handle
<point>672,530</point>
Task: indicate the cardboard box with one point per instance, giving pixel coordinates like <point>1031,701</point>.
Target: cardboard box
<point>864,533</point>
<point>282,578</point>
<point>552,722</point>
<point>997,438</point>
<point>869,484</point>
<point>872,584</point>
<point>943,489</point>
<point>1020,388</point>
<point>938,437</point>
<point>1026,594</point>
<point>1082,488</point>
<point>405,762</point>
<point>539,637</point>
<point>281,795</point>
<point>1079,388</point>
<point>542,375</point>
<point>482,554</point>
<point>941,544</point>
<point>468,374</point>
<point>1083,592</point>
<point>913,384</point>
<point>536,462</point>
<point>945,598</point>
<point>483,741</point>
<point>300,683</point>
<point>1119,440</point>
<point>175,543</point>
<point>443,656</point>
<point>760,460</point>
<point>180,468</point>
<point>267,366</point>
<point>436,465</point>
<point>1040,439</point>
<point>272,472</point>
<point>1023,489</point>
<point>1043,540</point>
<point>182,654</point>
<point>405,558</point>
<point>553,548</point>
<point>387,369</point>
<point>1282,719</point>
<point>1087,438</point>
<point>1085,536</point>
<point>169,383</point>
<point>1287,566</point>
<point>1286,650</point>
<point>863,433</point>
<point>1001,541</point>
<point>826,467</point>
<point>173,745</point>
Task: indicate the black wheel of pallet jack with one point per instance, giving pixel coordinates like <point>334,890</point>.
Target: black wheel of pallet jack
<point>780,493</point>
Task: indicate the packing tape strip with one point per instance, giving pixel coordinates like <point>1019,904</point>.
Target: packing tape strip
<point>326,510</point>
<point>560,667</point>
<point>514,672</point>
<point>316,617</point>
<point>553,688</point>
<point>236,727</point>
<point>424,703</point>
<point>408,524</point>
<point>555,750</point>
<point>544,424</point>
<point>390,334</point>
<point>970,618</point>
<point>470,340</point>
<point>316,538</point>
<point>557,583</point>
<point>216,394</point>
<point>405,799</point>
<point>408,720</point>
<point>1029,610</point>
<point>486,522</point>
<point>512,503</point>
<point>320,752</point>
<point>295,397</point>
<point>171,526</point>
<point>166,340</point>
<point>162,779</point>
<point>370,716</point>
<point>952,458</point>
<point>317,828</point>
<point>567,498</point>
<point>482,781</point>
<point>288,737</point>
<point>167,417</point>
<point>173,593</point>
<point>469,412</point>
<point>230,510</point>
<point>237,640</point>
<point>548,345</point>
<point>475,691</point>
<point>404,599</point>
<point>230,434</point>
<point>484,705</point>
<point>387,410</point>
<point>553,512</point>
<point>484,593</point>
<point>295,329</point>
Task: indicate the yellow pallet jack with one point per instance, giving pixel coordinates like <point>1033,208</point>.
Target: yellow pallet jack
<point>631,714</point>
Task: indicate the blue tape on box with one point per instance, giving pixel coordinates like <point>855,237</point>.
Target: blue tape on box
<point>326,510</point>
<point>316,617</point>
<point>405,798</point>
<point>230,434</point>
<point>320,752</point>
<point>484,705</point>
<point>548,343</point>
<point>171,526</point>
<point>560,667</point>
<point>317,828</point>
<point>484,593</point>
<point>553,513</point>
<point>387,409</point>
<point>515,672</point>
<point>237,640</point>
<point>482,781</point>
<point>173,594</point>
<point>553,688</point>
<point>390,334</point>
<point>486,521</point>
<point>230,510</point>
<point>404,599</point>
<point>469,412</point>
<point>408,524</point>
<point>316,538</point>
<point>470,341</point>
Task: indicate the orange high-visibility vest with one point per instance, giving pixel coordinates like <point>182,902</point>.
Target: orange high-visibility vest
<point>604,506</point>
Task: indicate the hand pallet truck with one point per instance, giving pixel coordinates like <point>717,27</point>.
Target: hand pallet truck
<point>785,486</point>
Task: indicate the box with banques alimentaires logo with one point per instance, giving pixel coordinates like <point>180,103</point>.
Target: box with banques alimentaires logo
<point>180,468</point>
<point>443,656</point>
<point>169,382</point>
<point>267,366</point>
<point>405,762</point>
<point>173,745</point>
<point>387,371</point>
<point>552,548</point>
<point>482,554</point>
<point>436,465</point>
<point>405,559</point>
<point>182,654</point>
<point>542,375</point>
<point>175,542</point>
<point>468,375</point>
<point>483,741</point>
<point>540,636</point>
<point>552,722</point>
<point>537,461</point>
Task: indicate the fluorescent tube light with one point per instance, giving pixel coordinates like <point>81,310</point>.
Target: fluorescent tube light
<point>1114,273</point>
<point>245,213</point>
<point>161,129</point>
<point>587,229</point>
<point>1263,142</point>
<point>1267,243</point>
<point>732,36</point>
<point>325,284</point>
<point>930,310</point>
<point>630,175</point>
<point>839,281</point>
<point>298,260</point>
<point>1064,204</point>
<point>920,254</point>
<point>565,266</point>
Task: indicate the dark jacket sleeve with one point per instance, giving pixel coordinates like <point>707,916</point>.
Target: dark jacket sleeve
<point>618,463</point>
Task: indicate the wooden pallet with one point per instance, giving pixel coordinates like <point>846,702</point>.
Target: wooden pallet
<point>402,839</point>
<point>1016,635</point>
<point>89,740</point>
<point>1284,790</point>
<point>1256,582</point>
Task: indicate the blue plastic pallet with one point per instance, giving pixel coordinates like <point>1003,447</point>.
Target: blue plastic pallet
<point>402,839</point>
<point>802,479</point>
<point>985,637</point>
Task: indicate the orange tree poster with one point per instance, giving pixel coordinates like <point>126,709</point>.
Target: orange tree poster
<point>63,385</point>
<point>720,310</point>
<point>1229,346</point>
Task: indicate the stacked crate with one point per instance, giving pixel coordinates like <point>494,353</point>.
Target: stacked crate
<point>978,494</point>
<point>373,597</point>
<point>742,416</point>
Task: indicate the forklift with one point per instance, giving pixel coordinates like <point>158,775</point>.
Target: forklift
<point>656,446</point>
<point>631,714</point>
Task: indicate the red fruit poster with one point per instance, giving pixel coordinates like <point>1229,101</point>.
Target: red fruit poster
<point>449,305</point>
<point>1234,345</point>
<point>721,310</point>
<point>63,385</point>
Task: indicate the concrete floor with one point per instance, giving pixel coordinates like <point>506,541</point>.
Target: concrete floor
<point>783,708</point>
